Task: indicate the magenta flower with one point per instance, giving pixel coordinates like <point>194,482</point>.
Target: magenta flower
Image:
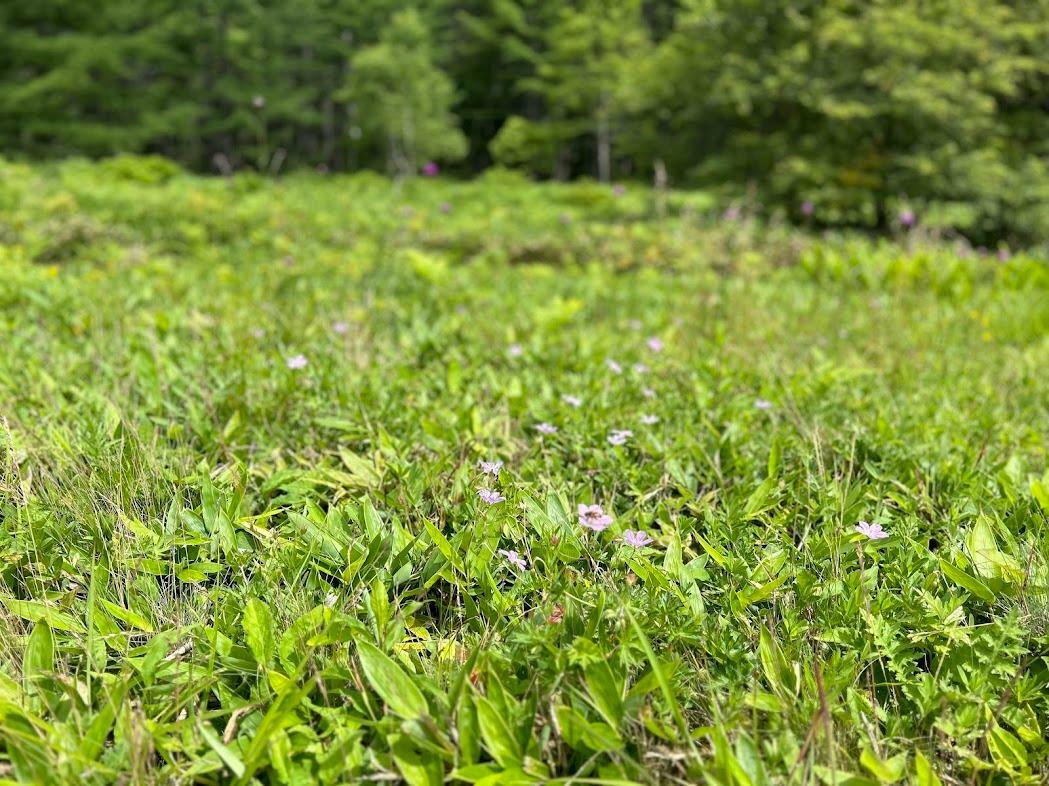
<point>907,218</point>
<point>763,404</point>
<point>572,401</point>
<point>594,517</point>
<point>490,496</point>
<point>637,539</point>
<point>648,393</point>
<point>614,367</point>
<point>490,467</point>
<point>620,436</point>
<point>514,559</point>
<point>342,328</point>
<point>545,428</point>
<point>446,207</point>
<point>872,531</point>
<point>649,420</point>
<point>430,169</point>
<point>295,362</point>
<point>515,350</point>
<point>807,208</point>
<point>655,344</point>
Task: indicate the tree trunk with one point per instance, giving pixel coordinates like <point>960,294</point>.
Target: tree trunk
<point>604,150</point>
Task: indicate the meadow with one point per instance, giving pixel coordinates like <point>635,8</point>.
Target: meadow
<point>337,480</point>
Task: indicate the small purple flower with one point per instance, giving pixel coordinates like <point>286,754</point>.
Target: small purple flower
<point>545,428</point>
<point>515,350</point>
<point>430,169</point>
<point>613,366</point>
<point>649,420</point>
<point>640,368</point>
<point>514,559</point>
<point>258,333</point>
<point>341,328</point>
<point>490,496</point>
<point>907,218</point>
<point>762,403</point>
<point>259,102</point>
<point>638,539</point>
<point>490,467</point>
<point>572,401</point>
<point>807,208</point>
<point>1003,255</point>
<point>295,362</point>
<point>619,436</point>
<point>732,213</point>
<point>655,344</point>
<point>872,531</point>
<point>446,207</point>
<point>648,392</point>
<point>594,517</point>
<point>618,190</point>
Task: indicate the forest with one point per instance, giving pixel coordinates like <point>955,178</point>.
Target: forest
<point>836,114</point>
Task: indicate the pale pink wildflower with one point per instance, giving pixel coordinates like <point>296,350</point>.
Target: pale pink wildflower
<point>619,436</point>
<point>295,362</point>
<point>594,517</point>
<point>490,467</point>
<point>872,531</point>
<point>572,401</point>
<point>546,428</point>
<point>514,559</point>
<point>655,344</point>
<point>637,539</point>
<point>490,496</point>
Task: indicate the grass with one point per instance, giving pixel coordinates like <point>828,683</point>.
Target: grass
<point>217,568</point>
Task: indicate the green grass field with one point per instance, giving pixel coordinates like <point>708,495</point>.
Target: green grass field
<point>241,538</point>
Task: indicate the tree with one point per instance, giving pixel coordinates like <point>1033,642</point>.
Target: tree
<point>403,99</point>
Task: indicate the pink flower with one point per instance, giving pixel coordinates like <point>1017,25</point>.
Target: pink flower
<point>295,362</point>
<point>614,367</point>
<point>572,401</point>
<point>594,517</point>
<point>655,344</point>
<point>649,420</point>
<point>514,559</point>
<point>258,333</point>
<point>648,393</point>
<point>620,436</point>
<point>546,428</point>
<point>430,169</point>
<point>732,213</point>
<point>490,496</point>
<point>807,208</point>
<point>637,539</point>
<point>515,350</point>
<point>907,218</point>
<point>872,531</point>
<point>763,404</point>
<point>446,207</point>
<point>259,102</point>
<point>640,368</point>
<point>618,189</point>
<point>342,328</point>
<point>490,467</point>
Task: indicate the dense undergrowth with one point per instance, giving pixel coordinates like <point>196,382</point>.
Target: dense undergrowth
<point>241,534</point>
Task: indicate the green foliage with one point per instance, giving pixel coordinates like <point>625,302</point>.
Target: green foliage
<point>219,567</point>
<point>403,100</point>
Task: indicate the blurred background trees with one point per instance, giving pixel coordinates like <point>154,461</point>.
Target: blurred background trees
<point>855,109</point>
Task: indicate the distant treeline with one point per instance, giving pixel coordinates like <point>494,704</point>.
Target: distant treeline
<point>838,112</point>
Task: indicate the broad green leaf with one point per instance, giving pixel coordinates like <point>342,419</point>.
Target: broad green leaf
<point>498,741</point>
<point>258,631</point>
<point>965,581</point>
<point>391,682</point>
